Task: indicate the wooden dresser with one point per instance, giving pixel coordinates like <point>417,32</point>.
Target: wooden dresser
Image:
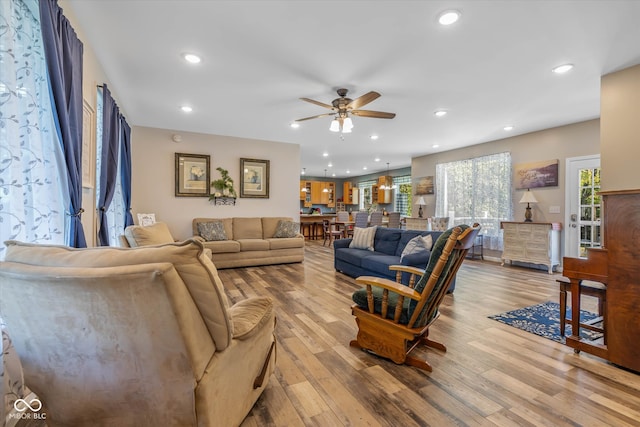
<point>532,242</point>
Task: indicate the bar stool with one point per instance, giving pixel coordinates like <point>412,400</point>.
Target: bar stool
<point>592,289</point>
<point>306,226</point>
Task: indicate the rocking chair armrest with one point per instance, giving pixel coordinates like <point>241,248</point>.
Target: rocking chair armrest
<point>390,285</point>
<point>407,269</point>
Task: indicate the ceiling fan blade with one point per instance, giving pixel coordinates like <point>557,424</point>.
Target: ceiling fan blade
<point>315,117</point>
<point>322,104</point>
<point>374,114</point>
<point>363,100</point>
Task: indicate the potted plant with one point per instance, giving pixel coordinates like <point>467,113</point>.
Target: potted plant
<point>224,185</point>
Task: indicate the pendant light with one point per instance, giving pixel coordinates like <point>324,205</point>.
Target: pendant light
<point>325,189</point>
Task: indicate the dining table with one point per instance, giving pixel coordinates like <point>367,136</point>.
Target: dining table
<point>344,225</point>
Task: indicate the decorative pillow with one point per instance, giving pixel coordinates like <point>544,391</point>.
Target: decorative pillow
<point>212,231</point>
<point>417,244</point>
<point>363,238</point>
<point>286,228</point>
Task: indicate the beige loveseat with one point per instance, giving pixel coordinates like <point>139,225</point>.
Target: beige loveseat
<point>251,241</point>
<point>134,337</point>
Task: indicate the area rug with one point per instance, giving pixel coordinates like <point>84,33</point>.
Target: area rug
<point>544,320</point>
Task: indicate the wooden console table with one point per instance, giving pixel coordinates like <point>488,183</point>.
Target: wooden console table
<point>532,242</point>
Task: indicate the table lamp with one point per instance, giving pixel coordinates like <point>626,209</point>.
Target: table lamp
<point>420,203</point>
<point>528,198</point>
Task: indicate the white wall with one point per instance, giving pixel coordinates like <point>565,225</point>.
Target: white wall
<point>153,181</point>
<point>578,139</point>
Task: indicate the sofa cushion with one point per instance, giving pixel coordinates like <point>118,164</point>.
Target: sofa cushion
<point>155,234</point>
<point>190,259</point>
<point>417,244</point>
<point>286,228</point>
<point>380,264</point>
<point>253,245</point>
<point>212,231</point>
<point>222,246</point>
<point>386,240</point>
<point>363,238</point>
<point>247,228</point>
<point>286,242</point>
<point>270,224</point>
<point>355,256</point>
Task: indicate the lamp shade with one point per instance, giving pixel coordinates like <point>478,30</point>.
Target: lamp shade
<point>528,197</point>
<point>421,201</point>
<point>335,125</point>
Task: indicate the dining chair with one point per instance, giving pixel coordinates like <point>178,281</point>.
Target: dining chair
<point>330,233</point>
<point>347,229</point>
<point>375,219</point>
<point>361,220</point>
<point>394,220</point>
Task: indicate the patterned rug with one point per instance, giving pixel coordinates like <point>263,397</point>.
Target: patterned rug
<point>544,320</point>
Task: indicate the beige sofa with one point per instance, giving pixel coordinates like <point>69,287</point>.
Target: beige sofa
<point>134,337</point>
<point>251,241</point>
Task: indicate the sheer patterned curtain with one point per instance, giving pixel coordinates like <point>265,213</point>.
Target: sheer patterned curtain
<point>33,192</point>
<point>476,190</point>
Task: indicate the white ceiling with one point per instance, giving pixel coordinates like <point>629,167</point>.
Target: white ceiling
<point>490,69</point>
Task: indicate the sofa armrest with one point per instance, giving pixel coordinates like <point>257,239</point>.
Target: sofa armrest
<point>341,243</point>
<point>198,239</point>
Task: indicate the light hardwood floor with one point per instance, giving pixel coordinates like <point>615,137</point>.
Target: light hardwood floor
<point>491,375</point>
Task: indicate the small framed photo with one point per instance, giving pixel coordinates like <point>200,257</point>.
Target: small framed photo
<point>192,175</point>
<point>254,178</point>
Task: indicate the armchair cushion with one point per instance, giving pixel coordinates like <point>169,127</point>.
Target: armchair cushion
<point>155,234</point>
<point>212,231</point>
<point>360,298</point>
<point>250,316</point>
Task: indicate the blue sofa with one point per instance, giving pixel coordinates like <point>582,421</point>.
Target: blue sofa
<point>388,246</point>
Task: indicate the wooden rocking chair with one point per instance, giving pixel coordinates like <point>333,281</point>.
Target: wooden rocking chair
<point>393,318</point>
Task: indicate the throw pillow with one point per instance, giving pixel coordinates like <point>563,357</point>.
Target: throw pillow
<point>417,244</point>
<point>212,231</point>
<point>286,228</point>
<point>363,238</point>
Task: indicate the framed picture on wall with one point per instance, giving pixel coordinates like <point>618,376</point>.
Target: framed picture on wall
<point>424,185</point>
<point>254,178</point>
<point>536,174</point>
<point>192,175</point>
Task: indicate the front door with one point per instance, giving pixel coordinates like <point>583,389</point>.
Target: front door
<point>583,205</point>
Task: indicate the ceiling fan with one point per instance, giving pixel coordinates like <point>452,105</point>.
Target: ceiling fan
<point>342,107</point>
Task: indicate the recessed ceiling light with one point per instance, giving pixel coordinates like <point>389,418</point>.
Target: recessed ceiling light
<point>377,159</point>
<point>295,125</point>
<point>561,69</point>
<point>330,165</point>
<point>448,17</point>
<point>374,137</point>
<point>333,174</point>
<point>186,109</point>
<point>191,58</point>
<point>435,146</point>
<point>325,154</point>
<point>508,128</point>
<point>348,171</point>
<point>364,168</point>
<point>440,113</point>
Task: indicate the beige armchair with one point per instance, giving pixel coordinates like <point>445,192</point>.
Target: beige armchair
<point>134,337</point>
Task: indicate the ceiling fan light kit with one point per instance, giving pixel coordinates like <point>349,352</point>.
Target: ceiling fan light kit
<point>343,107</point>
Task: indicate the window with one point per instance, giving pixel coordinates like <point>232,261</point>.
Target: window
<point>365,194</point>
<point>403,197</point>
<point>476,190</point>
